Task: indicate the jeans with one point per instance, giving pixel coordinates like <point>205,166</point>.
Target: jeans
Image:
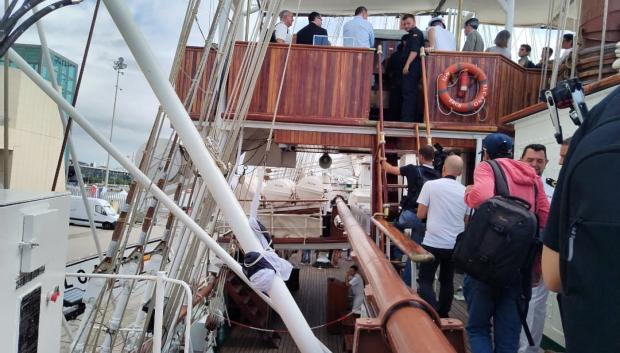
<point>500,304</point>
<point>426,278</point>
<point>305,256</point>
<point>411,93</point>
<point>536,315</point>
<point>408,219</point>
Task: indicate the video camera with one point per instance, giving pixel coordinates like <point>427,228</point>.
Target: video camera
<point>440,156</point>
<point>566,94</point>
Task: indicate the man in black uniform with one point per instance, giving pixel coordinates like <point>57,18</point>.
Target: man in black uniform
<point>412,72</point>
<point>394,71</point>
<point>306,34</point>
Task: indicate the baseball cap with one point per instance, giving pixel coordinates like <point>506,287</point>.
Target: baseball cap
<point>497,143</point>
<point>437,18</point>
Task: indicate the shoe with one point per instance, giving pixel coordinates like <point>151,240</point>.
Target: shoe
<point>458,294</point>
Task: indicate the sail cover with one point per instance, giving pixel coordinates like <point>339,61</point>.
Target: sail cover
<point>528,13</point>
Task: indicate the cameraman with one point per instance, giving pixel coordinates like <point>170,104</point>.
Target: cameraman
<point>416,176</point>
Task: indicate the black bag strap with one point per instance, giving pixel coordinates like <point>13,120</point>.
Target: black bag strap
<point>523,318</point>
<point>501,186</point>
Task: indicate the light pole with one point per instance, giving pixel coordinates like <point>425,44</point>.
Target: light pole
<point>119,66</point>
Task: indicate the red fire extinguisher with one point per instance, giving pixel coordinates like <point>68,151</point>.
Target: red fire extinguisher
<point>464,84</point>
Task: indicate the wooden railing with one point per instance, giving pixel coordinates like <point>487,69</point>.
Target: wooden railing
<point>511,87</point>
<point>333,85</point>
<point>321,82</point>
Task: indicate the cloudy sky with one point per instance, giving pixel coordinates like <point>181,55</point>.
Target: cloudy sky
<point>67,30</point>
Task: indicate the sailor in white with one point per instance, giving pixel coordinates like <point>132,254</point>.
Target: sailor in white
<point>356,289</point>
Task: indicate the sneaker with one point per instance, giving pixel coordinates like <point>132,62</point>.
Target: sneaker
<point>458,294</point>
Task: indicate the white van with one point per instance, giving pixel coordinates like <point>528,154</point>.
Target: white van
<point>104,215</point>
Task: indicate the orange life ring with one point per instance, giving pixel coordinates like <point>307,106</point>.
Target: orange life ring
<point>462,107</point>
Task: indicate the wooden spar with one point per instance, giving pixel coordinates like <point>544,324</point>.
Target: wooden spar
<point>427,119</point>
<point>409,323</point>
<point>412,249</point>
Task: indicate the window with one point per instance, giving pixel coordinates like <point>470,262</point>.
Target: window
<point>98,209</point>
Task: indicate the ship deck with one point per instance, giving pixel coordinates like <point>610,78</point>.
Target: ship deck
<point>311,298</point>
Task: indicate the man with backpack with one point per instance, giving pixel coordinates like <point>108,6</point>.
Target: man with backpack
<point>580,250</point>
<point>496,250</point>
<point>416,176</point>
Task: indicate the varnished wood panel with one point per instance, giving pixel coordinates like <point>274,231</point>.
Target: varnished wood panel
<point>511,87</point>
<point>189,66</point>
<point>323,82</point>
<point>324,139</point>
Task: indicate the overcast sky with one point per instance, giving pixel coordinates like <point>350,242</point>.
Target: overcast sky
<point>67,30</point>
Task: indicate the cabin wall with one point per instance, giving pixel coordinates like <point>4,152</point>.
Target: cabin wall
<point>537,128</point>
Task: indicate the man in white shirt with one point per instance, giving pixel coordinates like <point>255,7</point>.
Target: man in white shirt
<point>356,289</point>
<point>439,38</point>
<point>359,32</point>
<point>281,33</point>
<point>536,156</point>
<point>442,203</point>
<point>567,46</point>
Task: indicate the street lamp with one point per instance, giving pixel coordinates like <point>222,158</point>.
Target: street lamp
<point>119,66</point>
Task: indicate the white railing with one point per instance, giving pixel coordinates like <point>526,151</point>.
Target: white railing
<point>159,303</point>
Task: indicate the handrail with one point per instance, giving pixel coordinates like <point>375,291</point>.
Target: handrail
<point>159,280</point>
<point>409,324</point>
<point>412,249</point>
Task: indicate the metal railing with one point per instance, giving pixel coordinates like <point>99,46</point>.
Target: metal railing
<point>159,303</point>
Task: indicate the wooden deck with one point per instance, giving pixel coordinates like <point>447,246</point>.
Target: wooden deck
<point>311,298</point>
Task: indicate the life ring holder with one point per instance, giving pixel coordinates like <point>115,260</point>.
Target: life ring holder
<point>469,108</point>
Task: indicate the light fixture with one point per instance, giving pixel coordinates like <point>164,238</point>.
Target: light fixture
<point>325,161</point>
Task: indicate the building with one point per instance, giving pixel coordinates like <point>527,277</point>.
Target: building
<point>96,175</point>
<point>35,135</point>
<point>66,70</point>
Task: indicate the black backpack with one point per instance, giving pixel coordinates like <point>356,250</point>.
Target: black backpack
<point>499,243</point>
<point>585,219</point>
<point>423,174</point>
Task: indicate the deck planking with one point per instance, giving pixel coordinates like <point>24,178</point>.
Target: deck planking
<point>311,299</point>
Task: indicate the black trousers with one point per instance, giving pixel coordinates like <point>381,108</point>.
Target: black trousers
<point>426,277</point>
<point>411,94</point>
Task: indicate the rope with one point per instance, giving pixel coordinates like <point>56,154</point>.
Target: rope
<point>329,323</point>
<point>603,34</point>
<point>576,36</point>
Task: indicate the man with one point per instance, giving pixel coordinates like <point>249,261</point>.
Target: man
<point>486,303</point>
<point>545,57</point>
<point>535,156</point>
<point>567,45</point>
<point>524,56</point>
<point>412,72</point>
<point>474,41</point>
<point>280,33</point>
<point>307,34</point>
<point>439,38</point>
<point>356,289</point>
<point>564,150</point>
<point>359,32</point>
<point>441,203</point>
<point>394,71</point>
<point>416,177</point>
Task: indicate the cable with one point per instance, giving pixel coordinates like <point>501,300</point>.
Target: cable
<point>7,42</point>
